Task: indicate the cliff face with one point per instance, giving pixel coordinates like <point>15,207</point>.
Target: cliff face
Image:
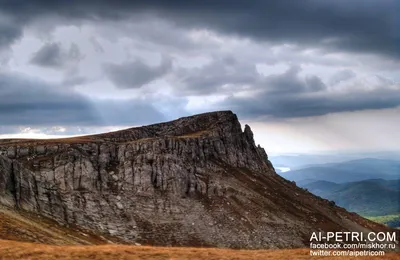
<point>198,180</point>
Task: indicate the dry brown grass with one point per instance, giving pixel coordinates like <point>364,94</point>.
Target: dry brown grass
<point>194,134</point>
<point>83,139</point>
<point>36,142</point>
<point>20,226</point>
<point>18,250</point>
<point>26,227</point>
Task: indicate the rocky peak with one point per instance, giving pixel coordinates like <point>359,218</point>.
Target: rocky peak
<point>218,123</point>
<point>248,134</point>
<point>197,180</point>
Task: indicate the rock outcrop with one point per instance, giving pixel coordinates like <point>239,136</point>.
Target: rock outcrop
<point>198,180</point>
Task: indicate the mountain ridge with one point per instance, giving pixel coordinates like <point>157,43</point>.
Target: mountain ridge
<point>348,171</point>
<point>372,197</point>
<point>195,181</point>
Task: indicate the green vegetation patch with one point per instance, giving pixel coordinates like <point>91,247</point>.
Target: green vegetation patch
<point>389,220</point>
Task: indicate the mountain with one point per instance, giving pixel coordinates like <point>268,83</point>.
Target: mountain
<point>196,181</point>
<point>299,161</point>
<point>320,188</point>
<point>374,197</point>
<point>350,171</point>
<point>390,167</point>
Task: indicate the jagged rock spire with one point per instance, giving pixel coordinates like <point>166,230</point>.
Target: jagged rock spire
<point>249,134</point>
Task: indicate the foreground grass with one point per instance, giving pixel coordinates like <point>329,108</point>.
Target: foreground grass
<point>18,250</point>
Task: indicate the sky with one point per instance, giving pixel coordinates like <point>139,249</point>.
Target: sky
<point>307,76</point>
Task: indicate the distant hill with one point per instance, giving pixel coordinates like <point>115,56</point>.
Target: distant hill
<point>390,220</point>
<point>321,188</point>
<point>369,187</point>
<point>297,161</point>
<point>375,197</point>
<point>350,171</point>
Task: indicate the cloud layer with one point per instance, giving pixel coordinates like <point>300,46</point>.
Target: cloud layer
<point>288,95</point>
<point>136,74</point>
<point>29,101</point>
<point>359,26</point>
<point>119,63</point>
<point>51,55</point>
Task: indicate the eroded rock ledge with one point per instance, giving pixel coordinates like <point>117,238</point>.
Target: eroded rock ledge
<point>198,180</point>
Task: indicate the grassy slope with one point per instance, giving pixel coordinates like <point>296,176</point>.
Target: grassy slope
<point>58,242</point>
<point>18,250</point>
<point>26,227</point>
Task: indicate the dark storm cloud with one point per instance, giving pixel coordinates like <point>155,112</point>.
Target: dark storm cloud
<point>226,75</point>
<point>136,74</point>
<point>48,56</point>
<point>9,30</point>
<point>290,83</point>
<point>31,102</point>
<point>289,96</point>
<point>359,25</point>
<point>367,26</point>
<point>219,76</point>
<point>292,106</point>
<point>285,83</point>
<point>51,55</point>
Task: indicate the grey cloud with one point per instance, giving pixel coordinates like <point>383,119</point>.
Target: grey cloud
<point>96,45</point>
<point>31,102</point>
<point>51,55</point>
<point>136,74</point>
<point>74,53</point>
<point>342,75</point>
<point>308,105</point>
<point>127,112</point>
<point>48,56</point>
<point>304,98</point>
<point>385,81</point>
<point>314,83</point>
<point>10,29</point>
<point>291,83</point>
<point>73,80</point>
<point>221,73</point>
<point>25,100</point>
<point>148,31</point>
<point>285,95</point>
<point>357,26</point>
<point>286,83</point>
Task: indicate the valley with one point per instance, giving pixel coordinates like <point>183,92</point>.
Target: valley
<point>369,187</point>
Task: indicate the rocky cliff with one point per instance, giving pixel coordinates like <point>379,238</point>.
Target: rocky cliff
<point>198,180</point>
